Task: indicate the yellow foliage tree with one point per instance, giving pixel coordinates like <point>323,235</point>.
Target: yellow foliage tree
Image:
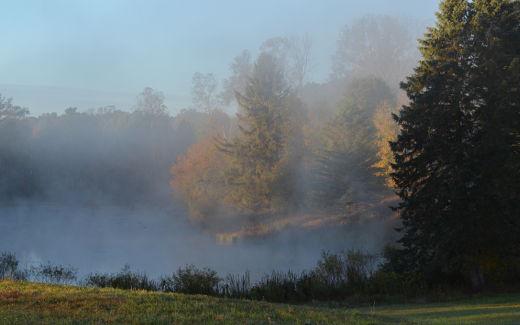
<point>198,177</point>
<point>386,131</point>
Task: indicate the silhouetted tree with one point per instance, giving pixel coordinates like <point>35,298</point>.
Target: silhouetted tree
<point>457,164</point>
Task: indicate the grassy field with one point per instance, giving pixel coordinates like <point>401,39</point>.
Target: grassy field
<point>29,303</point>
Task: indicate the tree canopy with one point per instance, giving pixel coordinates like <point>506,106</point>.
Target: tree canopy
<point>457,164</point>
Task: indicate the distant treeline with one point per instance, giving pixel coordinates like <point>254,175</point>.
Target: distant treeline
<point>90,157</point>
<point>285,151</point>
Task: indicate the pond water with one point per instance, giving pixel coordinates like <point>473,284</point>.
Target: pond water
<point>158,241</point>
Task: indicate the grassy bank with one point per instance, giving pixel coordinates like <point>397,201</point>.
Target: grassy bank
<point>23,302</point>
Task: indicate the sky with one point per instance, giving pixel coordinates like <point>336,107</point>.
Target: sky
<point>89,53</point>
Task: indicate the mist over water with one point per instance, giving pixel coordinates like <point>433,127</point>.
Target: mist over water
<point>125,178</point>
<point>159,240</point>
<point>294,161</point>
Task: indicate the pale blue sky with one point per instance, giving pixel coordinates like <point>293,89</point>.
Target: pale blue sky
<point>117,47</point>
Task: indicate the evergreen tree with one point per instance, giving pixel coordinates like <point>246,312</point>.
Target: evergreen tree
<point>457,159</point>
<point>266,154</point>
<point>344,171</point>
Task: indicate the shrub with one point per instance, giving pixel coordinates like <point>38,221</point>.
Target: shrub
<point>335,277</point>
<point>192,280</point>
<point>125,279</point>
<point>9,267</point>
<point>278,287</point>
<point>396,260</point>
<point>346,275</point>
<point>312,287</point>
<point>58,274</point>
<point>331,269</point>
<point>386,283</point>
<point>236,286</point>
<point>359,268</point>
<point>199,180</point>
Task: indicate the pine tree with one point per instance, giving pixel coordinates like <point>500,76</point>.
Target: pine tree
<point>344,171</point>
<point>266,154</point>
<point>457,155</point>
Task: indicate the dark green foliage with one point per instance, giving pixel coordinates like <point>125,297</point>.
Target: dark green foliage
<point>278,287</point>
<point>335,277</point>
<point>125,279</point>
<point>457,159</point>
<point>191,280</point>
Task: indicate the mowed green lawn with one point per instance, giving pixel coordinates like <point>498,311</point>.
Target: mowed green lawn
<point>502,309</point>
<point>29,303</point>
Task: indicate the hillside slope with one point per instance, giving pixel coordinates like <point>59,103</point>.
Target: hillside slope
<point>29,303</point>
<point>22,303</point>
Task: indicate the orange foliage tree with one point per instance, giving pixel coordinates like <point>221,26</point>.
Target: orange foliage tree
<point>386,131</point>
<point>198,177</point>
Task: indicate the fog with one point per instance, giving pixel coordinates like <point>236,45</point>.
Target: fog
<point>87,148</point>
<point>158,241</point>
<point>91,190</point>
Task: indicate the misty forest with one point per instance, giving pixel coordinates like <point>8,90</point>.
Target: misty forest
<point>395,175</point>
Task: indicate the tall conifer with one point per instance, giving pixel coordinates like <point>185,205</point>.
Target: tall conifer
<point>457,158</point>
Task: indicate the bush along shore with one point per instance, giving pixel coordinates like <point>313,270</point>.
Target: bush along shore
<point>350,276</point>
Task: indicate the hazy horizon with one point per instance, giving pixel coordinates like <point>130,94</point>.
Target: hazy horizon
<point>103,53</point>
